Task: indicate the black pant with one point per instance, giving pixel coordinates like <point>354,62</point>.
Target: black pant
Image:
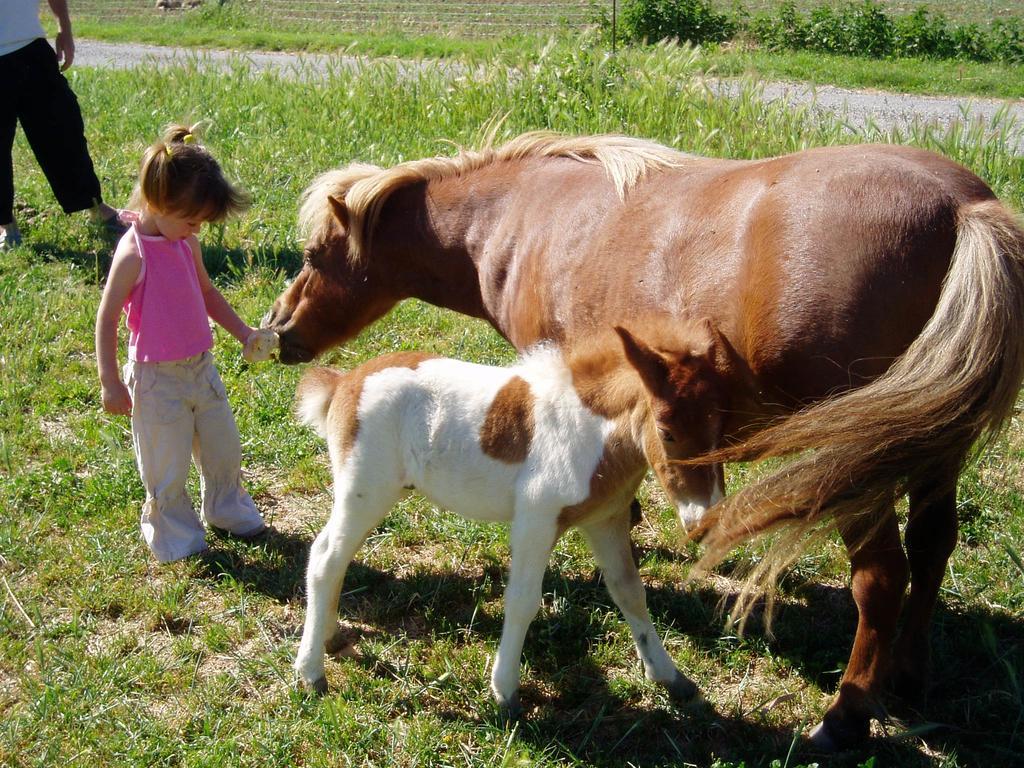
<point>37,95</point>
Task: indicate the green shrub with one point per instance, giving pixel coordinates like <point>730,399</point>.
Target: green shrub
<point>692,20</point>
<point>924,35</point>
<point>786,29</point>
<point>1006,41</point>
<point>861,28</point>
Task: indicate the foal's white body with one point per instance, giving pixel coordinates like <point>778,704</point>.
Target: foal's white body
<point>436,412</point>
<point>419,425</point>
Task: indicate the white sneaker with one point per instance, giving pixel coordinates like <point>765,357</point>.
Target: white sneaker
<point>9,240</point>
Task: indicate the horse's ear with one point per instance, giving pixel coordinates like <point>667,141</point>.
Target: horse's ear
<point>340,211</point>
<point>652,367</point>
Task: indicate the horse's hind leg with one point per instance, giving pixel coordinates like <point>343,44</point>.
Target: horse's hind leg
<point>878,580</point>
<point>609,541</point>
<point>930,537</point>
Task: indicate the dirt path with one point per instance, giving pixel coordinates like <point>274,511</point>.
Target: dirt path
<point>885,110</point>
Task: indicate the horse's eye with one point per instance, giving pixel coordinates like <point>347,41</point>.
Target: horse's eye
<point>665,435</point>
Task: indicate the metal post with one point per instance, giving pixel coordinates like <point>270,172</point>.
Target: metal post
<point>614,15</point>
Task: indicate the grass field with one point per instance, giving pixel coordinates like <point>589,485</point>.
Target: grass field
<point>108,659</point>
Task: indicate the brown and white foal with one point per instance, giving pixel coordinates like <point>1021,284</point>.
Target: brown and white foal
<point>555,441</point>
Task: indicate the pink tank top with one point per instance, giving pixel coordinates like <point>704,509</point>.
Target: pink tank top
<point>165,311</point>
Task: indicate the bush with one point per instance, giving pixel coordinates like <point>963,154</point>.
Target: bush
<point>853,29</point>
<point>1006,41</point>
<point>692,20</point>
<point>787,29</point>
<point>924,35</point>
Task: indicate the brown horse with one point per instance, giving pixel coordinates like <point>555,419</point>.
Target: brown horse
<point>884,284</point>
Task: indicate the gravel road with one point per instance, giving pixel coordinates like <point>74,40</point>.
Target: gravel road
<point>856,108</point>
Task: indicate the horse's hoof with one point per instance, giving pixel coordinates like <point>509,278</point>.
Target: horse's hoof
<point>820,739</point>
<point>682,690</point>
<point>832,736</point>
<point>510,711</point>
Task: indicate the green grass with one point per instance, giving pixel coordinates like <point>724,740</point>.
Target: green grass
<point>239,27</point>
<point>108,659</point>
<point>953,78</point>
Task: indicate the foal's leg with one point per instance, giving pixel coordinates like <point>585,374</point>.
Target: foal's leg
<point>354,516</point>
<point>532,538</point>
<point>930,537</point>
<point>609,541</point>
<point>878,580</point>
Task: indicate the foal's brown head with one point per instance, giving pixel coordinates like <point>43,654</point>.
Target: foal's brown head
<point>333,297</point>
<point>683,375</point>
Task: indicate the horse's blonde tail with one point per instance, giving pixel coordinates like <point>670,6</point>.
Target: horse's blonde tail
<point>954,386</point>
<point>313,397</point>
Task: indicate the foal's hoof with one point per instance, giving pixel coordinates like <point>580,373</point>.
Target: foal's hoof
<point>510,711</point>
<point>318,687</point>
<point>682,690</point>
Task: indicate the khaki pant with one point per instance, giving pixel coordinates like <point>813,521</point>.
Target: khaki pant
<point>180,411</point>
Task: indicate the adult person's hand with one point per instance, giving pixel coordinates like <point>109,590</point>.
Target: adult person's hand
<point>64,44</point>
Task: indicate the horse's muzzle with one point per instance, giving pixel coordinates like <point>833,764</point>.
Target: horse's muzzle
<point>291,353</point>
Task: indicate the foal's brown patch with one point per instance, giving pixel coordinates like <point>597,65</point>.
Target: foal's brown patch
<point>344,414</point>
<point>507,430</point>
<point>619,471</point>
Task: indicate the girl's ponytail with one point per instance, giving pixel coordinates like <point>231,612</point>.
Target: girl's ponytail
<point>178,175</point>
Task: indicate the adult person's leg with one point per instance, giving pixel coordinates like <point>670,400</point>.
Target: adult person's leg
<point>10,236</point>
<point>52,121</point>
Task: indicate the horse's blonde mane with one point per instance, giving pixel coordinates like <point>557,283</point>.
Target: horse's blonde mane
<point>315,214</point>
<point>365,188</point>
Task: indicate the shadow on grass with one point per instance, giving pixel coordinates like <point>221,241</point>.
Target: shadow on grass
<point>973,711</point>
<point>273,565</point>
<point>219,261</point>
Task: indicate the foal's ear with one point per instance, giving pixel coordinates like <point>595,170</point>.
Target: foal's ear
<point>340,211</point>
<point>718,351</point>
<point>652,367</point>
<point>729,365</point>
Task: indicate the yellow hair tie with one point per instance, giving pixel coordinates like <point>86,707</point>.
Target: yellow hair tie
<point>168,150</point>
<point>188,138</point>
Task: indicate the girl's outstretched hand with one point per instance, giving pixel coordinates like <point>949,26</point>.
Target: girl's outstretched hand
<point>260,345</point>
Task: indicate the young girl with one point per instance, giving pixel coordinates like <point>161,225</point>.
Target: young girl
<point>171,387</point>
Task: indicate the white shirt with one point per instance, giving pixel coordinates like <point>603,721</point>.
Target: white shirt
<point>19,24</point>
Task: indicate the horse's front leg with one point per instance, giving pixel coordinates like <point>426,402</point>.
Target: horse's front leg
<point>609,541</point>
<point>329,558</point>
<point>878,580</point>
<point>533,536</point>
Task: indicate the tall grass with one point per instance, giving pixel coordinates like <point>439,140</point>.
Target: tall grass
<point>108,659</point>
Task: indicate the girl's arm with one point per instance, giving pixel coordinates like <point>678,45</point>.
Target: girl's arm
<point>217,306</point>
<point>124,271</point>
